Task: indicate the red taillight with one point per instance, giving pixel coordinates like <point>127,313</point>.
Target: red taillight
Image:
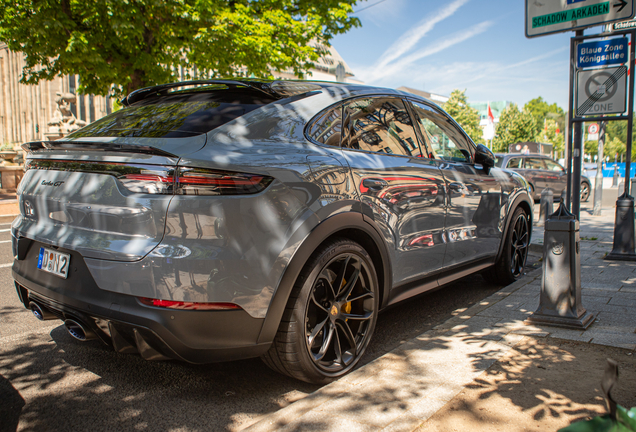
<point>170,304</point>
<point>197,181</point>
<point>157,179</point>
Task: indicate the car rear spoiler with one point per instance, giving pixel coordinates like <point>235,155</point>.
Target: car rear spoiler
<point>276,89</point>
<point>94,146</point>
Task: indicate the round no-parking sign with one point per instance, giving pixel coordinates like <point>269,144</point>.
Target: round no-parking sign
<point>592,129</point>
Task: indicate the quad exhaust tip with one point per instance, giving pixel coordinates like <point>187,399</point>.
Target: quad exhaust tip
<point>40,312</point>
<point>79,331</point>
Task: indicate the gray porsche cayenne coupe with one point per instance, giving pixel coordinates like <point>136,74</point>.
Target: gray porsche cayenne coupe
<point>226,219</point>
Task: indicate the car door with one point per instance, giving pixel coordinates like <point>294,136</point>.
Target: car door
<point>535,173</point>
<point>556,178</point>
<point>403,192</point>
<point>474,201</point>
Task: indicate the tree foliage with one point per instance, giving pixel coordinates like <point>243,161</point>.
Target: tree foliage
<point>136,43</point>
<point>467,117</point>
<point>542,111</point>
<point>514,126</point>
<point>550,135</point>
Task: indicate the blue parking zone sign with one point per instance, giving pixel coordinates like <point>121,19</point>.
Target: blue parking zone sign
<point>602,53</point>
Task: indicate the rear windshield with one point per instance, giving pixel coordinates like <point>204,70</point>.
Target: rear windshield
<point>176,115</point>
<point>499,161</point>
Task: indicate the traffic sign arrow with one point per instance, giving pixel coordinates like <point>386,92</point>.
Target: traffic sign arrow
<point>622,5</point>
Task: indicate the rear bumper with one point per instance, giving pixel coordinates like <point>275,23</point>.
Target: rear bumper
<point>129,326</point>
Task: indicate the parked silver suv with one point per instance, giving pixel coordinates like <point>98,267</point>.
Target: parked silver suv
<point>542,172</point>
<point>218,220</point>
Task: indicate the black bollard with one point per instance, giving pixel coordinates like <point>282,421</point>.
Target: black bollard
<point>560,303</point>
<point>545,206</point>
<point>623,248</point>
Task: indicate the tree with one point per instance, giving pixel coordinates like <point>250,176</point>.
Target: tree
<point>541,110</point>
<point>514,126</point>
<point>137,43</point>
<point>615,147</point>
<point>550,135</point>
<point>467,117</point>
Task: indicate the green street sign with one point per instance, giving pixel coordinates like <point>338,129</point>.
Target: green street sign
<point>555,16</point>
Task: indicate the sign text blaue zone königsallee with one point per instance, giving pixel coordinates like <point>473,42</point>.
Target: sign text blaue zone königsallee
<point>602,53</point>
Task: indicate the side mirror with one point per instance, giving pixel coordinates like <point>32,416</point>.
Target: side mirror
<point>484,157</point>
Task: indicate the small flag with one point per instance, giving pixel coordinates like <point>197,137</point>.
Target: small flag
<point>490,116</point>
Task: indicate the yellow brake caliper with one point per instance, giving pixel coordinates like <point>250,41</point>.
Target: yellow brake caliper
<point>347,306</point>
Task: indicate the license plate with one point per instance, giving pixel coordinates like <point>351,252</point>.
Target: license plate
<point>54,262</point>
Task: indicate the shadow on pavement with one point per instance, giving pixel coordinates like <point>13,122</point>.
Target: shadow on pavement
<point>539,385</point>
<point>11,406</point>
<point>90,387</point>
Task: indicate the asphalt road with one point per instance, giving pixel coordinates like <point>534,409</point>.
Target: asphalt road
<point>49,381</point>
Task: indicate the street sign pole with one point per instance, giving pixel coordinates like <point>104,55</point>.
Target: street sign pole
<point>598,182</point>
<point>624,232</point>
<point>574,132</point>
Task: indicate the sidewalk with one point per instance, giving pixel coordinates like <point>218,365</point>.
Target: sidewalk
<point>406,387</point>
<point>8,206</point>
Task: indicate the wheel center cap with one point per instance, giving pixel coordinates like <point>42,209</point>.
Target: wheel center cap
<point>334,310</point>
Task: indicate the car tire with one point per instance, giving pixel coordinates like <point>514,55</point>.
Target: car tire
<point>325,331</point>
<point>512,262</point>
<point>585,191</point>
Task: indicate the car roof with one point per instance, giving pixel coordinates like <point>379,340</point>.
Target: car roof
<point>278,89</point>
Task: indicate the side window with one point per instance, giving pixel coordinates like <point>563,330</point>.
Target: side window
<point>515,163</point>
<point>533,163</point>
<point>552,165</point>
<point>442,137</point>
<point>381,125</point>
<point>327,128</point>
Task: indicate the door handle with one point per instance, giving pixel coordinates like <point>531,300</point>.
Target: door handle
<point>374,184</point>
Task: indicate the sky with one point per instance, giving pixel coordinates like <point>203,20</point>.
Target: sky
<point>439,46</point>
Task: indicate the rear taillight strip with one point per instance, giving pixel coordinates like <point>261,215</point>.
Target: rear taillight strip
<point>158,179</point>
<point>183,305</point>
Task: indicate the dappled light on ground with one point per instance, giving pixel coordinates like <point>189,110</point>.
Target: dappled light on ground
<point>538,386</point>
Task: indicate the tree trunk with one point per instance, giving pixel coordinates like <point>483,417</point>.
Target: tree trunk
<point>137,81</point>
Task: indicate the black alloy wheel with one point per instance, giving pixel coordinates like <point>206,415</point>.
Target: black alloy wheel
<point>330,315</point>
<point>510,265</point>
<point>339,313</point>
<point>519,245</point>
<point>585,191</point>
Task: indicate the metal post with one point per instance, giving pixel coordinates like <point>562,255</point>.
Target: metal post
<point>624,232</point>
<point>545,206</point>
<point>577,154</point>
<point>571,124</point>
<point>598,182</point>
<point>615,176</point>
<point>560,302</point>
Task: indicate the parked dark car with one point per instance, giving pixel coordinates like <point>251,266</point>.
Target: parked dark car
<point>219,220</point>
<point>542,172</point>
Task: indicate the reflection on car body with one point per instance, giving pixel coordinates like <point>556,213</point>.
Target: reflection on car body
<point>226,219</point>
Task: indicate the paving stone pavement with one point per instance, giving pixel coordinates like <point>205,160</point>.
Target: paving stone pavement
<point>403,388</point>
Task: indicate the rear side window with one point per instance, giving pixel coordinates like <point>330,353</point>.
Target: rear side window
<point>381,125</point>
<point>515,163</point>
<point>327,128</point>
<point>176,115</point>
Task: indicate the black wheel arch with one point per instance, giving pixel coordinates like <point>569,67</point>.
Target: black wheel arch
<point>351,225</point>
<point>524,201</point>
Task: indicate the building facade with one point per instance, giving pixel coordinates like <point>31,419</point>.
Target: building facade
<point>26,110</point>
